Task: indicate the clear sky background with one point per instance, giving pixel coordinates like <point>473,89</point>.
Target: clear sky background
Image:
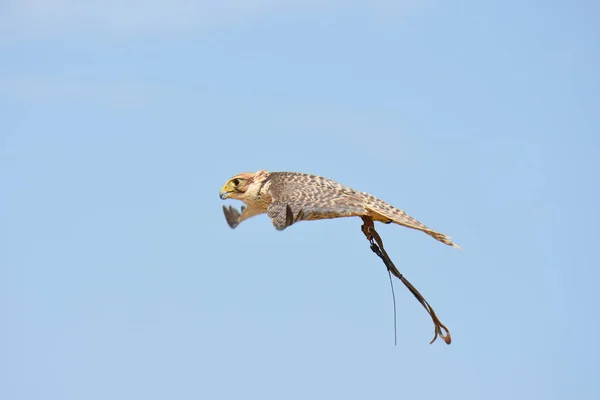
<point>121,120</point>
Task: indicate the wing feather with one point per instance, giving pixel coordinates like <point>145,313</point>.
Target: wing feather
<point>297,197</point>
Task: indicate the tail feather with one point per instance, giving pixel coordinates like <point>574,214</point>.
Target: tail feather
<point>387,213</point>
<point>442,238</point>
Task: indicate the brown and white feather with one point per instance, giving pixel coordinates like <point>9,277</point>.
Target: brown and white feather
<point>289,197</point>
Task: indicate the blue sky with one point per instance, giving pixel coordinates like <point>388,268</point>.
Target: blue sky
<point>121,120</point>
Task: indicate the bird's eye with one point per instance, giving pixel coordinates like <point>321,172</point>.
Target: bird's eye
<point>235,181</point>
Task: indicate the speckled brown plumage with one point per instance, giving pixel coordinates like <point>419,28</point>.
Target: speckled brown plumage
<point>289,197</point>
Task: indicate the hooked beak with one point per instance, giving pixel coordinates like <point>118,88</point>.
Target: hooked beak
<point>224,193</point>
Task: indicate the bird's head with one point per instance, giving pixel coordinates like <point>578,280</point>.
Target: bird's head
<point>237,186</point>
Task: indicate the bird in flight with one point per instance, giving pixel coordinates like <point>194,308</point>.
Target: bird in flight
<point>289,197</point>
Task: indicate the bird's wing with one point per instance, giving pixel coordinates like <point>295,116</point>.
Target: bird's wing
<point>297,197</point>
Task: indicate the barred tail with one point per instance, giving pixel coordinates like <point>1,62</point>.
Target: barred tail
<point>387,213</point>
<point>442,238</point>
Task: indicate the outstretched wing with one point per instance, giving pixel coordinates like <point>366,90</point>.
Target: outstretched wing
<point>297,197</point>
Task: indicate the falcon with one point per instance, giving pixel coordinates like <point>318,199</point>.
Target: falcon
<point>290,197</point>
